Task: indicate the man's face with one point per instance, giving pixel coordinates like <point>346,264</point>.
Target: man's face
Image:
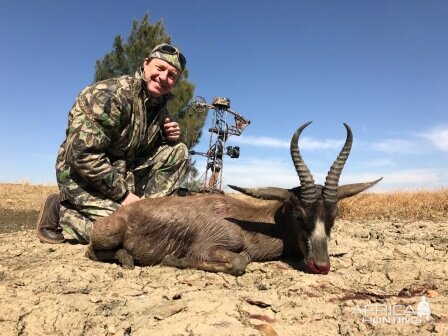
<point>160,76</point>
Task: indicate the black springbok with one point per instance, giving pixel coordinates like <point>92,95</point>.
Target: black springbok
<point>221,233</point>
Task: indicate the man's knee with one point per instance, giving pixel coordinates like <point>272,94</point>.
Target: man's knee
<point>78,221</point>
<point>75,224</point>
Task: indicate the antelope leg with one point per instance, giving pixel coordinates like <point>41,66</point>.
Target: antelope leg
<point>123,257</point>
<point>220,261</point>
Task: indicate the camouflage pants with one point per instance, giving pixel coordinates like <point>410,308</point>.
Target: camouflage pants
<point>159,176</point>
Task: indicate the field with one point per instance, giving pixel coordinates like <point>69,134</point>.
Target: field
<point>387,252</point>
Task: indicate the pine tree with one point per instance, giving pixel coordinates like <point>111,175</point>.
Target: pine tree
<point>126,58</point>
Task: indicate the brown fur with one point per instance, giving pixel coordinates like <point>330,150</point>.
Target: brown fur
<point>200,228</point>
<point>219,233</point>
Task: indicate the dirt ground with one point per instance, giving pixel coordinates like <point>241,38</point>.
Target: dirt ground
<point>380,272</point>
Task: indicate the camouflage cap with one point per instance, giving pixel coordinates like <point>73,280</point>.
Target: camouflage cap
<point>169,54</point>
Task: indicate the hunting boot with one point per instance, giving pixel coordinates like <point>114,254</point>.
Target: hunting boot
<point>48,228</point>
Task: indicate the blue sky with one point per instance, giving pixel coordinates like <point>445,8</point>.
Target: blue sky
<point>380,66</point>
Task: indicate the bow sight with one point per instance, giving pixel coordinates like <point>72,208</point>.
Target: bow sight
<point>220,131</point>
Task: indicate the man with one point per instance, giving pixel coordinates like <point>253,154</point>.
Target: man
<point>120,146</point>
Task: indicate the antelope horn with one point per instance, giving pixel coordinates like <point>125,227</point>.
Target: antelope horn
<point>330,189</point>
<point>270,193</point>
<point>350,190</point>
<point>308,190</point>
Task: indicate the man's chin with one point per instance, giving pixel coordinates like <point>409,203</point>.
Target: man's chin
<point>156,91</point>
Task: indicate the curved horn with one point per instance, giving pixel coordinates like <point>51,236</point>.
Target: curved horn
<point>270,193</point>
<point>307,187</point>
<point>330,189</point>
<point>350,190</point>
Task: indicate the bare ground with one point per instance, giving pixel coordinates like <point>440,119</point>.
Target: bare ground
<point>379,268</point>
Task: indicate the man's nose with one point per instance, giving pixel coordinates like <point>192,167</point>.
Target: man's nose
<point>163,75</point>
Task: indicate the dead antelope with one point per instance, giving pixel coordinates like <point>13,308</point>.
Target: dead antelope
<point>220,233</point>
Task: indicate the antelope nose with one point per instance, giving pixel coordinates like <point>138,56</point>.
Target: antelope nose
<point>323,268</point>
<point>315,268</point>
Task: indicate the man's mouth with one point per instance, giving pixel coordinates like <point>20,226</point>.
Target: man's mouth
<point>161,86</point>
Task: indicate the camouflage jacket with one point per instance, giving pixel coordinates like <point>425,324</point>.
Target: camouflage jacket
<point>114,127</point>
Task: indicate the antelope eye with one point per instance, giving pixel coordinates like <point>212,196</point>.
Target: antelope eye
<point>299,212</point>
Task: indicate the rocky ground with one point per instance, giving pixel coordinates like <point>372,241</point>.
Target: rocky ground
<point>380,271</point>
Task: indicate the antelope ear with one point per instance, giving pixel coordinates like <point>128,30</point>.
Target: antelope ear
<point>268,193</point>
<point>349,190</point>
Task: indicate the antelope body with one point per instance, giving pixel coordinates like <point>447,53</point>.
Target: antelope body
<point>220,233</point>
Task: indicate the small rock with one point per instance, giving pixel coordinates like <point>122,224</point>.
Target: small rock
<point>275,308</point>
<point>16,253</point>
<point>266,330</point>
<point>18,284</point>
<point>405,292</point>
<point>112,329</point>
<point>262,317</point>
<point>258,303</point>
<point>349,303</point>
<point>166,310</point>
<point>95,299</point>
<point>127,327</point>
<point>432,293</point>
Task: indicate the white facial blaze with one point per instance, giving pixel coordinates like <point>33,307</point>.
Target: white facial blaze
<point>318,233</point>
<point>318,245</point>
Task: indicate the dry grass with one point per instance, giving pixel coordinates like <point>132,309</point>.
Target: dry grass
<point>400,205</point>
<point>24,196</point>
<point>403,205</point>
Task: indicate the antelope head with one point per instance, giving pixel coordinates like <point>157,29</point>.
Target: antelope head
<point>312,209</point>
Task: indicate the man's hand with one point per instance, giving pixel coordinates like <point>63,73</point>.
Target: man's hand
<point>130,198</point>
<point>171,130</point>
